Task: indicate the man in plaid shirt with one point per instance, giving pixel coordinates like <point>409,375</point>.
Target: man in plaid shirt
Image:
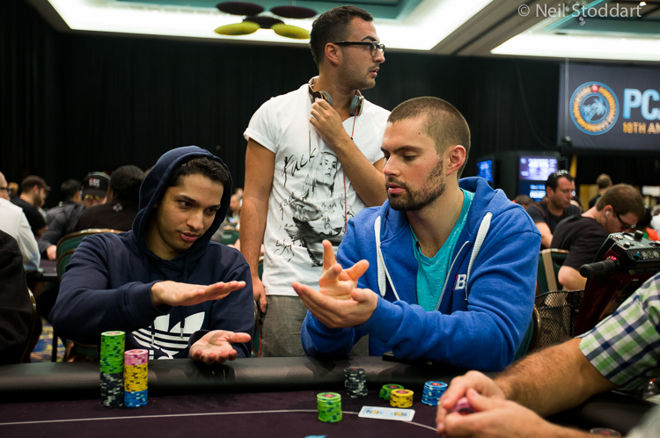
<point>622,351</point>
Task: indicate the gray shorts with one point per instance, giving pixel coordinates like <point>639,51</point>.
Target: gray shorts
<point>281,329</point>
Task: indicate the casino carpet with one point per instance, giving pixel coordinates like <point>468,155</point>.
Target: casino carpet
<point>42,351</point>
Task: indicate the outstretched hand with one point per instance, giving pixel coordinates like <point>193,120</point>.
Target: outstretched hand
<point>215,346</point>
<point>173,293</point>
<point>336,282</point>
<point>339,303</point>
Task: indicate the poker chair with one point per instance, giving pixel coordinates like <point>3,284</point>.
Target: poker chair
<point>35,329</point>
<point>70,242</point>
<point>66,246</point>
<point>229,237</point>
<point>531,339</point>
<point>550,261</point>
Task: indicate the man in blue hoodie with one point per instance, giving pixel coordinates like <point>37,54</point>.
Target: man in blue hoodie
<point>452,263</point>
<point>165,283</point>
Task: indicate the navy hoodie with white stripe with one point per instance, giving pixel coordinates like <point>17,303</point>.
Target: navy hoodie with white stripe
<point>107,285</point>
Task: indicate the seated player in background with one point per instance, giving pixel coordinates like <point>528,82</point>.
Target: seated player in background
<point>603,182</point>
<point>14,223</point>
<point>32,198</point>
<point>434,230</point>
<point>62,218</point>
<point>122,202</point>
<point>618,209</point>
<point>555,205</point>
<point>15,304</point>
<point>622,351</point>
<point>173,291</point>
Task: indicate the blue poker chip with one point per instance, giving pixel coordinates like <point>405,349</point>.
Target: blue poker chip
<point>135,399</point>
<point>433,390</point>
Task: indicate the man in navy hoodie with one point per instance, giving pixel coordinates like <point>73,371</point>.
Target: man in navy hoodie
<point>450,264</point>
<point>165,283</point>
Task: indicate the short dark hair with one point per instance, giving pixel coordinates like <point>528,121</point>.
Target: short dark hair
<point>31,181</point>
<point>603,181</point>
<point>69,188</point>
<point>211,169</point>
<point>623,198</point>
<point>331,26</point>
<point>444,123</point>
<point>553,178</point>
<point>125,182</point>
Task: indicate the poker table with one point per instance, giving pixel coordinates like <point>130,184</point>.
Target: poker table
<point>243,398</point>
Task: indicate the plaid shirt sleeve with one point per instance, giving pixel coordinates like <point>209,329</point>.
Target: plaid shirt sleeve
<point>625,347</point>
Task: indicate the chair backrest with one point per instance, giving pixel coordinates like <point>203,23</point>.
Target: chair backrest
<point>68,244</point>
<point>229,237</point>
<point>550,262</point>
<point>62,261</point>
<point>34,332</point>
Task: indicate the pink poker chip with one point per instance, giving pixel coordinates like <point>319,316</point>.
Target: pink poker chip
<point>463,407</point>
<point>136,357</point>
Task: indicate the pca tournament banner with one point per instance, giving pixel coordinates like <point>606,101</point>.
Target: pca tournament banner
<point>610,107</point>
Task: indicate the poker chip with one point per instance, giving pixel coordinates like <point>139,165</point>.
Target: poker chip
<point>433,390</point>
<point>111,359</point>
<point>386,389</point>
<point>355,382</point>
<point>463,406</point>
<point>111,364</point>
<point>112,390</point>
<point>329,407</point>
<point>135,399</point>
<point>401,398</point>
<point>135,378</point>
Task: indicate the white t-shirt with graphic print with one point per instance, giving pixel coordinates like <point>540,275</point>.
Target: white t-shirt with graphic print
<point>306,202</point>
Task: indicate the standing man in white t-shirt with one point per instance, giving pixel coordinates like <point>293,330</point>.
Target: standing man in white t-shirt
<point>313,160</point>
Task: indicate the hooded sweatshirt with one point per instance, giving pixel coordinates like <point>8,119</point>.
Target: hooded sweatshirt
<point>488,294</point>
<point>107,284</point>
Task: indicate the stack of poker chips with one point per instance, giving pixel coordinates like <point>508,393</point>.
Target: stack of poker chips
<point>355,382</point>
<point>329,407</point>
<point>432,392</point>
<point>135,378</point>
<point>387,389</point>
<point>112,366</point>
<point>401,398</point>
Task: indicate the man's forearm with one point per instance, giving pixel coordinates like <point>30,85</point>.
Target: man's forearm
<point>571,279</point>
<point>253,225</point>
<point>553,379</point>
<point>366,178</point>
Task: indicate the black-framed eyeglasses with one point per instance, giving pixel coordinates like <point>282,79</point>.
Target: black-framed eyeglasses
<point>625,225</point>
<point>374,46</point>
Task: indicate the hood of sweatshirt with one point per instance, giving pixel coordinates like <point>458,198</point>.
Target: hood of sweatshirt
<point>153,188</point>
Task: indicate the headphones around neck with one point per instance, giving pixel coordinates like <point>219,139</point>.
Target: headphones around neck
<point>355,107</point>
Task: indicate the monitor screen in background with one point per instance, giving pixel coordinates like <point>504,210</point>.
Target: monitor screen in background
<point>537,168</point>
<point>485,170</point>
<point>533,189</point>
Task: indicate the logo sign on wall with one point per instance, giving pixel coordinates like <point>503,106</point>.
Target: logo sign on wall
<point>603,107</point>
